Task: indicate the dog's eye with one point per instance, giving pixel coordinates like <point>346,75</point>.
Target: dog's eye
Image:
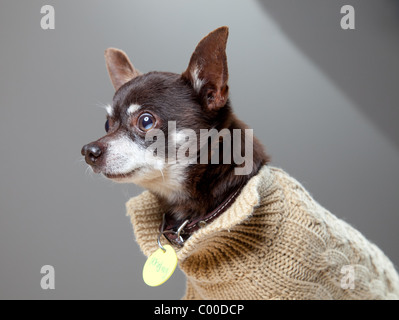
<point>146,122</point>
<point>107,125</point>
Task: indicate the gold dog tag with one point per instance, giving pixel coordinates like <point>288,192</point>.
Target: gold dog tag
<point>160,266</point>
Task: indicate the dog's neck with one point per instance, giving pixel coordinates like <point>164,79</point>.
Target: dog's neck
<point>206,186</point>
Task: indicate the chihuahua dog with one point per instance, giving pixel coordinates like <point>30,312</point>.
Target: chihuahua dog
<point>242,229</point>
<point>197,99</point>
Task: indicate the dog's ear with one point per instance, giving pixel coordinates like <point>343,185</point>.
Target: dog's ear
<point>119,67</point>
<point>207,71</point>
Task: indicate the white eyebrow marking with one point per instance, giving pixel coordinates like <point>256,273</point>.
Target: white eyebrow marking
<point>109,110</point>
<point>133,108</point>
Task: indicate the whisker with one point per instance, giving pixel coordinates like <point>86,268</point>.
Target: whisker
<point>163,177</point>
<point>89,171</point>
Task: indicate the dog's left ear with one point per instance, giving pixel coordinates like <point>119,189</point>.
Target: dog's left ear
<point>119,67</point>
<point>207,71</point>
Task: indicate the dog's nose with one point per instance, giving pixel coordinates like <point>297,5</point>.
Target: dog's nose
<point>92,152</point>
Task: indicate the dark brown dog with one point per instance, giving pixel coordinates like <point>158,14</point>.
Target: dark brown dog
<point>197,99</point>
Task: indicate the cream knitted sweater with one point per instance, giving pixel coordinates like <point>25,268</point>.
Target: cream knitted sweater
<point>274,242</point>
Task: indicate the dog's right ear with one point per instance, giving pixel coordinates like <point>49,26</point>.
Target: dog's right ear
<point>207,71</point>
<point>119,67</point>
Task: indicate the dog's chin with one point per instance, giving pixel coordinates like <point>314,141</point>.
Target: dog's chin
<point>121,177</point>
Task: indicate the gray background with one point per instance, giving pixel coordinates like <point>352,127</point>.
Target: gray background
<point>324,101</point>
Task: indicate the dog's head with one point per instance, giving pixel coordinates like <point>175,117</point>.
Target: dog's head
<point>145,104</point>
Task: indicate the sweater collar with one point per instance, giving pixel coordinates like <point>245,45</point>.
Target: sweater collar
<point>177,233</point>
<point>146,214</point>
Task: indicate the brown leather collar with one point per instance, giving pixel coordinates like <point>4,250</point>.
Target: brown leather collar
<point>177,234</point>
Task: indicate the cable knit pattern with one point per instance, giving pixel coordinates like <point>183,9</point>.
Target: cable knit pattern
<point>274,242</point>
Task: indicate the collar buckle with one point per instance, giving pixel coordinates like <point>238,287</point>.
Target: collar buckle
<point>174,236</point>
<point>187,227</point>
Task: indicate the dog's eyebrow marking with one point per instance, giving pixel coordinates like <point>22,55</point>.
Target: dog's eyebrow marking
<point>133,108</point>
<point>109,110</point>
